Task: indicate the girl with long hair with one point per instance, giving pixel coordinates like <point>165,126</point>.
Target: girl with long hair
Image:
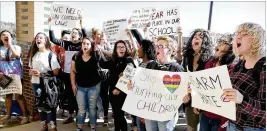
<point>40,67</point>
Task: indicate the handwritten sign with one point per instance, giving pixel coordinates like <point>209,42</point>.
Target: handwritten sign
<point>65,16</point>
<point>14,87</point>
<point>140,17</point>
<point>115,30</point>
<point>164,22</point>
<point>68,57</point>
<point>207,89</point>
<point>128,74</point>
<point>156,95</point>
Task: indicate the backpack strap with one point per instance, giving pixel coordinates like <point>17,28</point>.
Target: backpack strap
<point>49,59</point>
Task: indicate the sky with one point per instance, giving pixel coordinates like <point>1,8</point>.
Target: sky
<point>226,15</point>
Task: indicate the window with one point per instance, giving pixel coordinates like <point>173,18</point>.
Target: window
<point>47,8</point>
<point>46,16</point>
<point>49,2</point>
<point>46,30</point>
<point>24,17</point>
<point>24,2</point>
<point>24,10</point>
<point>45,23</point>
<point>24,32</point>
<point>25,25</point>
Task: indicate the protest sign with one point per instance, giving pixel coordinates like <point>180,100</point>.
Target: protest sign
<point>14,87</point>
<point>128,74</point>
<point>164,22</point>
<point>140,18</point>
<point>207,89</point>
<point>67,63</point>
<point>156,95</point>
<point>115,30</point>
<point>65,16</point>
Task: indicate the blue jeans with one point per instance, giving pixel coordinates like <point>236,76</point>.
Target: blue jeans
<point>87,100</point>
<point>232,127</point>
<point>49,115</point>
<point>208,124</point>
<point>152,125</point>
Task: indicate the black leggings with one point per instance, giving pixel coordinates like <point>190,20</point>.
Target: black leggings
<point>117,103</point>
<point>72,103</point>
<point>104,96</point>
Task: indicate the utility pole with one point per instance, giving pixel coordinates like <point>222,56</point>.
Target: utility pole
<point>210,15</point>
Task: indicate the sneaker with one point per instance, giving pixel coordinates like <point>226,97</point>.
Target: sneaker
<point>60,111</point>
<point>24,120</point>
<point>6,117</point>
<point>93,129</point>
<point>79,129</point>
<point>44,127</point>
<point>106,121</point>
<point>68,120</point>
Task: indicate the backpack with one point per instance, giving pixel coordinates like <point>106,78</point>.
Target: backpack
<point>47,97</point>
<point>60,81</point>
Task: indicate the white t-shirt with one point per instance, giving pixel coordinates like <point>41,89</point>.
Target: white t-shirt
<point>40,63</point>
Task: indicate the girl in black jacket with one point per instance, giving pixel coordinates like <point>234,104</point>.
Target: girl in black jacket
<point>71,47</point>
<point>120,59</point>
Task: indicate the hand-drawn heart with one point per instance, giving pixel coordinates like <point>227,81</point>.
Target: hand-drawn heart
<point>172,83</point>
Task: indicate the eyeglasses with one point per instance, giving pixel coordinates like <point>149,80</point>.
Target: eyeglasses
<point>241,33</point>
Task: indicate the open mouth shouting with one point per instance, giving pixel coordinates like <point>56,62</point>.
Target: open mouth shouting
<point>238,44</point>
<point>6,39</point>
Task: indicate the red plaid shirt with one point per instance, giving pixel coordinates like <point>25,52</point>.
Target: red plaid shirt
<point>252,111</point>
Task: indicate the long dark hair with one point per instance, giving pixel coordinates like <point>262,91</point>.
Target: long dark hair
<point>11,34</point>
<point>229,55</point>
<point>34,48</point>
<point>115,54</point>
<point>206,46</point>
<point>149,49</point>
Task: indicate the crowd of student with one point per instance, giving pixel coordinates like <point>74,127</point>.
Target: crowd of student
<point>94,69</point>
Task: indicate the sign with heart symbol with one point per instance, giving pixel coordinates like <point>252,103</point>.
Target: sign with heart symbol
<point>172,83</point>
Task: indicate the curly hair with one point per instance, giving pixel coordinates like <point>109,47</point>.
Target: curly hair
<point>229,55</point>
<point>258,37</point>
<point>206,50</point>
<point>149,49</point>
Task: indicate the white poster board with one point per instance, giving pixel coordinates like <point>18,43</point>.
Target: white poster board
<point>140,18</point>
<point>65,16</point>
<point>14,87</point>
<point>115,30</point>
<point>67,63</point>
<point>156,95</point>
<point>128,74</point>
<point>207,89</point>
<point>164,22</point>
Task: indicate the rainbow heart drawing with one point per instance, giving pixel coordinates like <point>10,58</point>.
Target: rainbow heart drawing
<point>172,83</point>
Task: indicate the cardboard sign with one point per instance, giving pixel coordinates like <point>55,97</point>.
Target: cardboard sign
<point>140,18</point>
<point>115,30</point>
<point>128,74</point>
<point>156,95</point>
<point>65,16</point>
<point>164,22</point>
<point>15,87</point>
<point>207,89</point>
<point>67,63</point>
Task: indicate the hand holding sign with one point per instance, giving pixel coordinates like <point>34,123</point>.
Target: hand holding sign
<point>233,95</point>
<point>81,21</point>
<point>180,33</point>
